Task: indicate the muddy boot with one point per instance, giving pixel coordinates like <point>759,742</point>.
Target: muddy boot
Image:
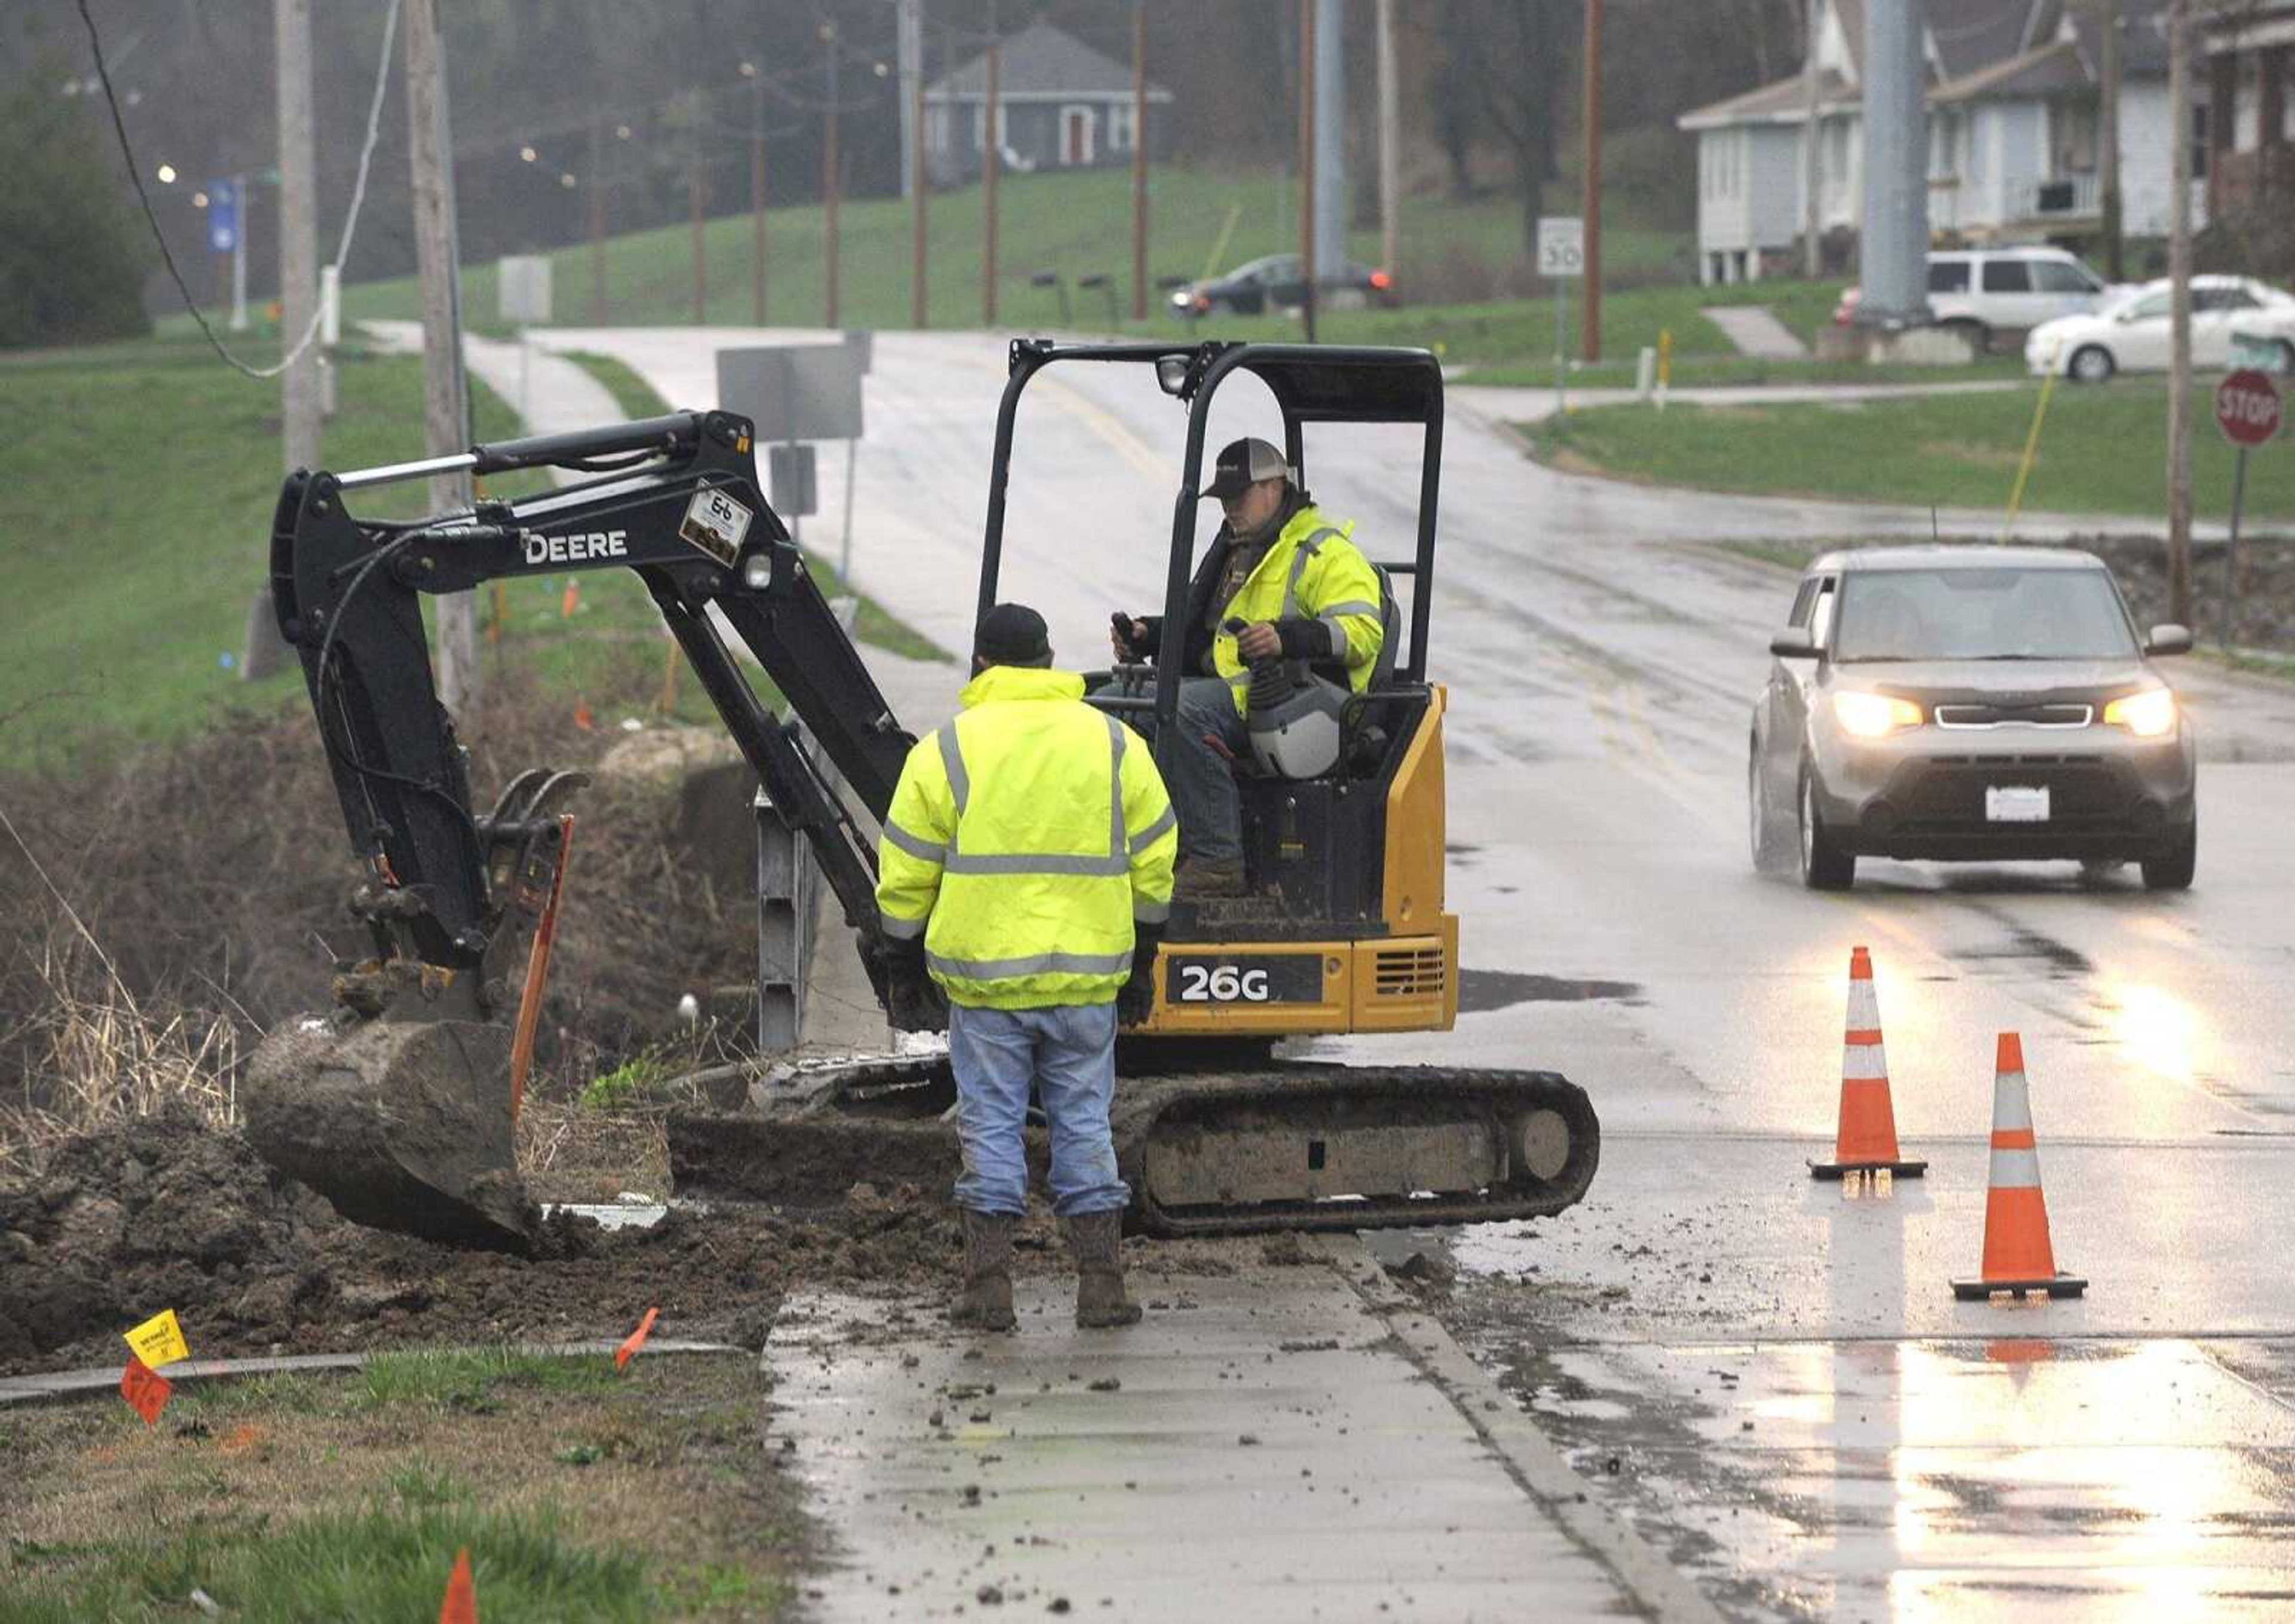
<point>986,1302</point>
<point>1203,877</point>
<point>1096,1239</point>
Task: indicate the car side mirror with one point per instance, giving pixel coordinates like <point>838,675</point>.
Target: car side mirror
<point>2167,639</point>
<point>1793,643</point>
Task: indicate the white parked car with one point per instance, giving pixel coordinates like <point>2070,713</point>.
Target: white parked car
<point>1999,290</point>
<point>2130,333</point>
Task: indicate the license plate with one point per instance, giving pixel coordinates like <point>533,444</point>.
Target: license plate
<point>2016,803</point>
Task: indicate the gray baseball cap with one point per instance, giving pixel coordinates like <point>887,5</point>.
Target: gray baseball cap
<point>1242,463</point>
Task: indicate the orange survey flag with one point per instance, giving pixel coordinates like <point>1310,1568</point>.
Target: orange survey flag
<point>146,1389</point>
<point>462,1603</point>
<point>635,1340</point>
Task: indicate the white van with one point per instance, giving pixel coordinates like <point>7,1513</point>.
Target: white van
<point>1995,292</point>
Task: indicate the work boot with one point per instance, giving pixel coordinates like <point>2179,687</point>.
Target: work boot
<point>1202,878</point>
<point>986,1301</point>
<point>1096,1239</point>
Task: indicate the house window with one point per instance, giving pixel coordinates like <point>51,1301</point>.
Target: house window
<point>2075,139</point>
<point>1119,122</point>
<point>2200,143</point>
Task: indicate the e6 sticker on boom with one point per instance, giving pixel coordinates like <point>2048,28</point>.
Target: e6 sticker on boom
<point>715,523</point>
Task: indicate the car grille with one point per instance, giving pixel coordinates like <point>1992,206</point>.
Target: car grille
<point>1947,791</point>
<point>1983,715</point>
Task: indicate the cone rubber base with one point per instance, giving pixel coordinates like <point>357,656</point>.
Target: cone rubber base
<point>1836,1171</point>
<point>2059,1285</point>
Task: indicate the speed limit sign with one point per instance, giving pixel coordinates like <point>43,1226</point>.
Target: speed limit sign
<point>1562,245</point>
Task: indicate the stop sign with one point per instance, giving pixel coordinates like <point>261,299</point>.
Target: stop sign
<point>2247,408</point>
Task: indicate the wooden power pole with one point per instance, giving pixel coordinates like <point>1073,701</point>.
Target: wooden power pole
<point>597,222</point>
<point>830,184</point>
<point>1592,322</point>
<point>2107,141</point>
<point>757,77</point>
<point>1307,164</point>
<point>992,160</point>
<point>265,651</point>
<point>1139,160</point>
<point>919,241</point>
<point>2179,320</point>
<point>446,400</point>
<point>1390,146</point>
<point>1812,201</point>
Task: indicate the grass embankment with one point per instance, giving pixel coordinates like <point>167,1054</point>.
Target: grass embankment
<point>1076,223</point>
<point>580,1494</point>
<point>138,509</point>
<point>2102,451</point>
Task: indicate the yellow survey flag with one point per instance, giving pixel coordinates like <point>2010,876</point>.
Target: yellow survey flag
<point>159,1339</point>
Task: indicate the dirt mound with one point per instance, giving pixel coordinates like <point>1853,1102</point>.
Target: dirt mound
<point>166,1212</point>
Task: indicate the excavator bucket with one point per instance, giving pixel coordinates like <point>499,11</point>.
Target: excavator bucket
<point>402,1125</point>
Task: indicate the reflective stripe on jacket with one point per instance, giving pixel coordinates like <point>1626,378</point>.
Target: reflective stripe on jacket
<point>1314,572</point>
<point>1024,839</point>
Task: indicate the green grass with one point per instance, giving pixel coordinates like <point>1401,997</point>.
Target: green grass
<point>1743,371</point>
<point>1075,224</point>
<point>388,1560</point>
<point>2101,451</point>
<point>636,398</point>
<point>465,1378</point>
<point>138,509</point>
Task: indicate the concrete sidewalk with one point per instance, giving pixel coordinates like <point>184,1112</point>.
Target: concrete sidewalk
<point>1273,1443</point>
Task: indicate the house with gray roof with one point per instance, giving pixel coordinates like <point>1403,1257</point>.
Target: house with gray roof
<point>2012,109</point>
<point>1061,104</point>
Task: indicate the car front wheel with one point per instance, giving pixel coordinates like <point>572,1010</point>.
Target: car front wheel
<point>1823,865</point>
<point>2092,364</point>
<point>2171,870</point>
<point>1769,836</point>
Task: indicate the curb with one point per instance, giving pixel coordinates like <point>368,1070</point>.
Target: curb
<point>1530,1457</point>
<point>65,1384</point>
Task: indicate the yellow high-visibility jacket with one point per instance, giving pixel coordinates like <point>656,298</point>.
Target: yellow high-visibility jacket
<point>1313,571</point>
<point>1025,839</point>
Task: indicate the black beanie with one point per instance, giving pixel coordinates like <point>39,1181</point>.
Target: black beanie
<point>1012,634</point>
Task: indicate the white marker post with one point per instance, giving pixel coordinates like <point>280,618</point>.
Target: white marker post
<point>1561,257</point>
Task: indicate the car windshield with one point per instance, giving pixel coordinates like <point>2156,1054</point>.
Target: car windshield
<point>1979,614</point>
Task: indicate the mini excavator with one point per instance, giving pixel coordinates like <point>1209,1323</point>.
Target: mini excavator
<point>396,1104</point>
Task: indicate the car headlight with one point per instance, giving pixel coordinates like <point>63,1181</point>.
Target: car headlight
<point>2147,714</point>
<point>1874,715</point>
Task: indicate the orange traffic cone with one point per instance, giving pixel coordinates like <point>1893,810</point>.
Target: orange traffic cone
<point>1866,1139</point>
<point>2017,1256</point>
<point>461,1602</point>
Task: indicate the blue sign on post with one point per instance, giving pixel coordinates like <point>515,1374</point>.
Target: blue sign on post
<point>223,217</point>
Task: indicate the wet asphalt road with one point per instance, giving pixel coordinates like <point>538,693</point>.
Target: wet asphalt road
<point>1770,1375</point>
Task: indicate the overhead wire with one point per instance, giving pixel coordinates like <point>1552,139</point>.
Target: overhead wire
<point>351,220</point>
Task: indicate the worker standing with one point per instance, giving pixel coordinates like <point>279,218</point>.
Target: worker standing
<point>1025,868</point>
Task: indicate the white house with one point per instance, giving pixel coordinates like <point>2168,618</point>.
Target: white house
<point>2012,125</point>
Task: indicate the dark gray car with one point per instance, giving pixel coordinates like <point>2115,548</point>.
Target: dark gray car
<point>1968,704</point>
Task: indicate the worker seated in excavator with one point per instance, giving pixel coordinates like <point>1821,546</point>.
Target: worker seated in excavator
<point>1286,620</point>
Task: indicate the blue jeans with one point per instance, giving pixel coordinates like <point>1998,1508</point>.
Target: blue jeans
<point>1069,1052</point>
<point>1201,780</point>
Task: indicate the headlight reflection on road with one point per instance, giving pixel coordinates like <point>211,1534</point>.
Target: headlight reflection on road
<point>2159,1031</point>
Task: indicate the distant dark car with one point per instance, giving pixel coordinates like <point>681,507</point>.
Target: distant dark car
<point>1969,705</point>
<point>1276,283</point>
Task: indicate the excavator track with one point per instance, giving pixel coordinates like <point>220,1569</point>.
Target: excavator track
<point>1281,1147</point>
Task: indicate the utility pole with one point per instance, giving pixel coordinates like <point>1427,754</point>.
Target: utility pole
<point>2179,319</point>
<point>1390,145</point>
<point>446,398</point>
<point>2107,141</point>
<point>298,292</point>
<point>1590,322</point>
<point>1139,160</point>
<point>919,228</point>
<point>1812,212</point>
<point>913,180</point>
<point>697,187</point>
<point>1307,164</point>
<point>1894,251</point>
<point>1331,202</point>
<point>909,45</point>
<point>757,193</point>
<point>992,160</point>
<point>597,222</point>
<point>830,186</point>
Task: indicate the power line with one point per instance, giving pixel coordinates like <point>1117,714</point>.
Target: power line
<point>351,220</point>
